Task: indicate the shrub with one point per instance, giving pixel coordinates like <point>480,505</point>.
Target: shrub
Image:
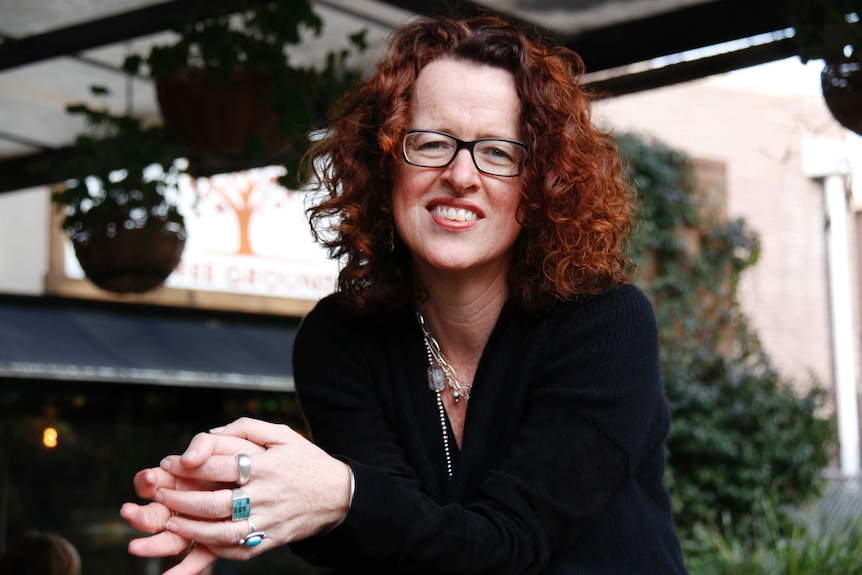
<point>781,547</point>
<point>741,432</point>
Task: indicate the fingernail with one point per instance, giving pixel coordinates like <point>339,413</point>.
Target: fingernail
<point>157,496</point>
<point>190,453</point>
<point>217,429</point>
<point>165,464</point>
<point>170,526</point>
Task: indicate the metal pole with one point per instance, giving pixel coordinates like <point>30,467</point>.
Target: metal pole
<point>843,342</point>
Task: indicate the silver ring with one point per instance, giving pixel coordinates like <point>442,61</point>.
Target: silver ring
<point>241,505</point>
<point>243,463</point>
<point>253,537</point>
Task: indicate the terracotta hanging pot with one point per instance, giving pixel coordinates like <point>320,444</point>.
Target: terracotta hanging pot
<point>132,260</point>
<point>841,82</point>
<point>221,119</point>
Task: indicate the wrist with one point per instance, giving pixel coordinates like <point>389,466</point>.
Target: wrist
<point>347,489</point>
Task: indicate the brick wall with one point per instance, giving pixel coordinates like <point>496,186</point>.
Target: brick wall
<point>758,136</point>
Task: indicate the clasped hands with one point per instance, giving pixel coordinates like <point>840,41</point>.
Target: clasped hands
<point>295,488</point>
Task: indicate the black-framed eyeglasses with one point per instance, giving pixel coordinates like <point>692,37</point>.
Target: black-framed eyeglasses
<point>493,156</point>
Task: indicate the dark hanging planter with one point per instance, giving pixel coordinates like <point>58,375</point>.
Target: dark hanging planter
<point>841,81</point>
<point>132,260</point>
<point>227,89</point>
<point>830,30</point>
<point>120,204</point>
<point>221,119</point>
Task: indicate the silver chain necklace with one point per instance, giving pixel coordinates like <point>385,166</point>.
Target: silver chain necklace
<point>440,373</point>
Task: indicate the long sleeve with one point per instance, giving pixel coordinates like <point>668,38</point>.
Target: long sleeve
<point>564,412</point>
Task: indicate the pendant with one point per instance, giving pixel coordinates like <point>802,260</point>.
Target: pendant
<point>436,378</point>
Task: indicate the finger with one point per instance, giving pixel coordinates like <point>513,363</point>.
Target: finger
<point>216,472</point>
<point>200,448</point>
<point>192,484</point>
<point>257,431</point>
<point>203,446</point>
<point>194,563</point>
<point>150,518</point>
<point>147,481</point>
<point>164,544</point>
<point>199,504</point>
<point>210,533</point>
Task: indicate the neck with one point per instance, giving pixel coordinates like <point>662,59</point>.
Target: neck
<point>462,307</point>
<point>463,288</point>
<point>462,325</point>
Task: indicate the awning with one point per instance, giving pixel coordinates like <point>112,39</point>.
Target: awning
<point>78,340</point>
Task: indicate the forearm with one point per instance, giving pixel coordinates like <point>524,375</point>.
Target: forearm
<point>394,529</point>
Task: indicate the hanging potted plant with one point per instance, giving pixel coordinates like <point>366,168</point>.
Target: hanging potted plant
<point>227,89</point>
<point>120,209</point>
<point>832,31</point>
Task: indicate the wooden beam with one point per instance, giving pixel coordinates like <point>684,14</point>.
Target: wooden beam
<point>109,30</point>
<point>693,70</point>
<point>681,30</point>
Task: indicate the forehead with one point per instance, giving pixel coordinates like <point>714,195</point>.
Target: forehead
<point>466,98</point>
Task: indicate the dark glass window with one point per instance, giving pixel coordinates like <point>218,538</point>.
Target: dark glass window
<point>105,433</point>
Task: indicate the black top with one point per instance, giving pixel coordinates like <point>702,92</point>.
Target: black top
<point>562,462</point>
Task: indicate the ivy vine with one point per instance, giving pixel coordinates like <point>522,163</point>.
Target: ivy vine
<point>741,432</point>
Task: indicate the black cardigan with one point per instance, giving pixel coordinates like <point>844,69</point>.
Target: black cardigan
<point>562,463</point>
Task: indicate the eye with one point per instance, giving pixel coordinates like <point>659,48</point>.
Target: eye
<point>429,144</point>
<point>432,144</point>
<point>499,152</point>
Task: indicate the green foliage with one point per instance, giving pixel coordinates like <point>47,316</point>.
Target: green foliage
<point>126,176</point>
<point>825,29</point>
<point>128,173</point>
<point>740,432</point>
<point>256,38</point>
<point>797,547</point>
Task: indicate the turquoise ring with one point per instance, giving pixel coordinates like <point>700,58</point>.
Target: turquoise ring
<point>253,537</point>
<point>241,508</point>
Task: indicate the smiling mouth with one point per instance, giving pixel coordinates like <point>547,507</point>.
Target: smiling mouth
<point>453,214</point>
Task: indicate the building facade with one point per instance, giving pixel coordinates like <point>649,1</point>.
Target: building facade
<point>803,295</point>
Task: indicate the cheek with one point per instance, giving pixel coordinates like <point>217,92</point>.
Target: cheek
<point>408,187</point>
<point>510,209</point>
<point>398,196</point>
<point>510,201</point>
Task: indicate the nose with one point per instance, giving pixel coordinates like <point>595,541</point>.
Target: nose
<point>462,172</point>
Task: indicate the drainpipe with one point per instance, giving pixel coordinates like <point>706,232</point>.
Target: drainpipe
<point>826,160</point>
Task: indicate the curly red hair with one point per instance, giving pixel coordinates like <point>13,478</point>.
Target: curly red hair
<point>576,206</point>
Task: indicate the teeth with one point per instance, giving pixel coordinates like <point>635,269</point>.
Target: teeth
<point>454,214</point>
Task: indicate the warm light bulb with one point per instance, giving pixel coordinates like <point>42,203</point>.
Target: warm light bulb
<point>49,437</point>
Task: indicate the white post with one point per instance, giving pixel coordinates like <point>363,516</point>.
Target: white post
<point>826,160</point>
<point>843,342</point>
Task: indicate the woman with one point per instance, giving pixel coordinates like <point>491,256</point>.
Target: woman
<point>483,389</point>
